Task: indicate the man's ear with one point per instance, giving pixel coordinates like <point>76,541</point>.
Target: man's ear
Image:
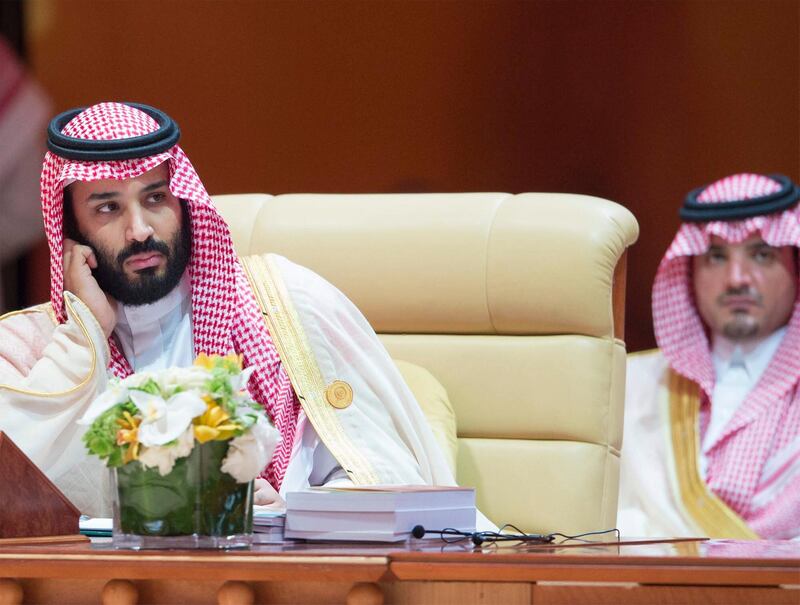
<point>70,224</point>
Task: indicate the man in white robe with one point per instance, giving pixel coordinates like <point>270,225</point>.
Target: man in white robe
<point>712,417</point>
<point>143,277</point>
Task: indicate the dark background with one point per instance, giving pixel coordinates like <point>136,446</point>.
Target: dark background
<point>634,101</point>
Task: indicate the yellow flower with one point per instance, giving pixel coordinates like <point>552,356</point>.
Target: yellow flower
<point>129,433</point>
<point>211,361</point>
<point>235,358</point>
<point>213,425</point>
<point>204,361</point>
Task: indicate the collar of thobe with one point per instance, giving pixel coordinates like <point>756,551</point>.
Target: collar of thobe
<point>143,315</point>
<point>755,358</point>
<point>141,330</point>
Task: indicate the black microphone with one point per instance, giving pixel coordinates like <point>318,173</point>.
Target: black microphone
<point>419,531</point>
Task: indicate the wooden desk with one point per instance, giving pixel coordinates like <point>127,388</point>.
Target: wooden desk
<point>429,572</point>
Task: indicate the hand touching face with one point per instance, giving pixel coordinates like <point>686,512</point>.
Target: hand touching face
<point>79,261</point>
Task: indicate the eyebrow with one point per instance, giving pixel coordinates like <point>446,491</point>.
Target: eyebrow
<point>107,195</point>
<point>154,186</point>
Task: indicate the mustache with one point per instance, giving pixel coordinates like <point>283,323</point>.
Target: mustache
<point>148,245</point>
<point>743,292</point>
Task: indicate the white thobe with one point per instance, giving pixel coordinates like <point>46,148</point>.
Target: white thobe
<point>736,371</point>
<point>159,335</point>
<point>649,500</point>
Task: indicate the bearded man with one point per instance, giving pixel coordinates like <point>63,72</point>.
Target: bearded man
<point>712,417</point>
<point>144,277</point>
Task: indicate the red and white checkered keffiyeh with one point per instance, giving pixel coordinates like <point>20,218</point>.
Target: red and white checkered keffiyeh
<point>764,433</point>
<point>225,315</point>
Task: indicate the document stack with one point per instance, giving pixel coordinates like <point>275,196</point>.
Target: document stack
<point>268,525</point>
<point>95,527</point>
<point>377,513</point>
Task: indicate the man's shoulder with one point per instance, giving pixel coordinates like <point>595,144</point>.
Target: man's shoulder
<point>23,336</point>
<point>645,358</point>
<point>303,284</point>
<point>40,315</point>
<point>645,370</point>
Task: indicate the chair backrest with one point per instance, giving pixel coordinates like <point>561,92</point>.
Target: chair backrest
<point>514,302</point>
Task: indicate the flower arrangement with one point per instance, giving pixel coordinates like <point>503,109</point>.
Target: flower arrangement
<point>184,445</point>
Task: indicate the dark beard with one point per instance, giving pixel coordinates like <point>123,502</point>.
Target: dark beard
<point>148,287</point>
<point>743,327</point>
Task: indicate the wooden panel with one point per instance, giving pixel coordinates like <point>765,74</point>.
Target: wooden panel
<point>636,102</point>
<point>63,592</point>
<point>606,594</point>
<point>629,572</point>
<point>30,505</point>
<point>458,593</point>
<point>201,592</point>
<point>186,592</point>
<point>430,572</point>
<point>65,539</point>
<point>618,295</point>
<point>180,566</point>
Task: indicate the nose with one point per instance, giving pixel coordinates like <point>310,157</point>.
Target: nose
<point>739,273</point>
<point>139,228</point>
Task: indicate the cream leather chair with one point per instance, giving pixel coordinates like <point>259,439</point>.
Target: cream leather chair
<point>513,302</point>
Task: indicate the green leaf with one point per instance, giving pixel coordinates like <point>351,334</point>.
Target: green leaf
<point>100,438</point>
<point>196,497</point>
<point>149,386</point>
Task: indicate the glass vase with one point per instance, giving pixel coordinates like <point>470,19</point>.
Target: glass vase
<point>195,505</point>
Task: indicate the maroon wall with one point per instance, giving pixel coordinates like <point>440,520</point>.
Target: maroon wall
<point>635,101</point>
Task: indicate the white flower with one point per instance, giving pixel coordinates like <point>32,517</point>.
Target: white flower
<point>191,378</point>
<point>164,456</point>
<point>136,380</point>
<point>248,454</point>
<point>239,381</point>
<point>163,421</point>
<point>116,393</point>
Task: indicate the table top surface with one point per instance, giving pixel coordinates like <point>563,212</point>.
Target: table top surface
<point>684,561</point>
<point>694,551</point>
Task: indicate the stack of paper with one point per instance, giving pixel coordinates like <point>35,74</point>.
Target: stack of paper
<point>268,525</point>
<point>96,527</point>
<point>377,513</point>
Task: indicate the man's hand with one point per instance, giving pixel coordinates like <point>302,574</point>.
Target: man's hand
<point>79,261</point>
<point>266,495</point>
